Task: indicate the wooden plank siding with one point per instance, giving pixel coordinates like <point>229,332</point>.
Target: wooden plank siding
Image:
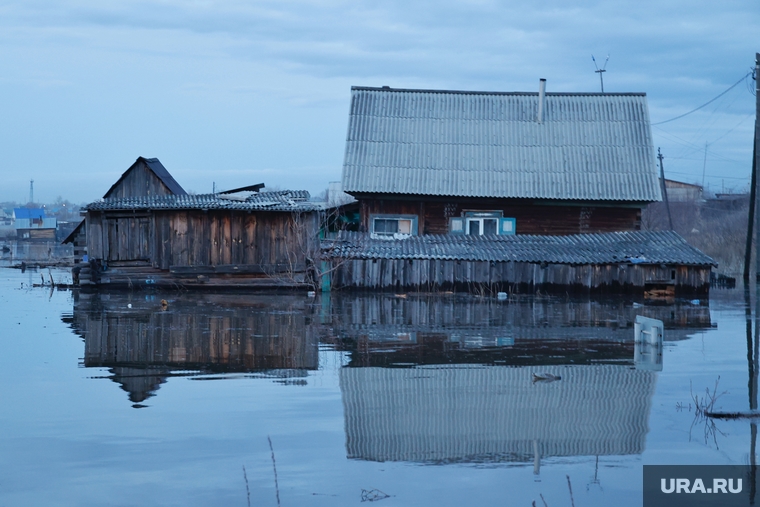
<point>188,246</point>
<point>532,218</point>
<point>489,277</point>
<point>139,181</point>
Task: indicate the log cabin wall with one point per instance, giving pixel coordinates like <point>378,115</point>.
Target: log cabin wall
<point>138,182</point>
<point>531,218</point>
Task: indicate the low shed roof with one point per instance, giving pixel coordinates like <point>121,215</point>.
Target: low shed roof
<point>640,247</point>
<point>282,200</point>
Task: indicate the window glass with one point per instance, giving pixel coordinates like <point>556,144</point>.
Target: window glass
<point>489,226</point>
<point>474,227</point>
<point>386,226</point>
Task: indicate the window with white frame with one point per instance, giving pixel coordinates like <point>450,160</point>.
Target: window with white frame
<point>388,225</point>
<point>479,223</point>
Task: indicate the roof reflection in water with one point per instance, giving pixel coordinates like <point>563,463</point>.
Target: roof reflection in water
<point>452,380</point>
<point>494,413</point>
<point>144,342</point>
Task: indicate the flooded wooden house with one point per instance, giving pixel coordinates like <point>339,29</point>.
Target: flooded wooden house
<point>513,192</point>
<point>147,231</point>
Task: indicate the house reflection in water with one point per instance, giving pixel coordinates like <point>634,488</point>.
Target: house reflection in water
<point>468,381</point>
<point>143,342</point>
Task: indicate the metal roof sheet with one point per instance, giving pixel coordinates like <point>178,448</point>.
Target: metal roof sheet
<point>28,213</point>
<point>488,144</point>
<point>282,200</point>
<point>639,247</point>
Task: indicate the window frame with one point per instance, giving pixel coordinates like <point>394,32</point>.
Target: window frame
<point>412,218</point>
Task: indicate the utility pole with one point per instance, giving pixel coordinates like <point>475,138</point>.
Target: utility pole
<point>664,188</point>
<point>757,154</point>
<point>750,222</point>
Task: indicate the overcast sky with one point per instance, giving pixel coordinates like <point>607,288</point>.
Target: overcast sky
<point>240,92</point>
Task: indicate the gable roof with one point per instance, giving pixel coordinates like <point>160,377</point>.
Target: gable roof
<point>158,169</point>
<point>28,213</point>
<point>589,146</point>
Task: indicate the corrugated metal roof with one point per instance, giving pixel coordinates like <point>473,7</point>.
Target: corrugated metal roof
<point>472,414</point>
<point>639,247</point>
<point>28,213</point>
<point>283,200</point>
<point>485,144</point>
<point>159,170</point>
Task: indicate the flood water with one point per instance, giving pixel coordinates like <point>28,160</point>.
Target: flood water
<point>193,399</point>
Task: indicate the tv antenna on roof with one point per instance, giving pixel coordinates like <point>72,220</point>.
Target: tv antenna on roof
<point>602,70</point>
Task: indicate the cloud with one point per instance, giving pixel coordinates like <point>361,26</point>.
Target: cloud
<point>191,78</point>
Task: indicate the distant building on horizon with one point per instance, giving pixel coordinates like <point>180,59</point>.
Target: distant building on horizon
<point>678,191</point>
<point>32,224</point>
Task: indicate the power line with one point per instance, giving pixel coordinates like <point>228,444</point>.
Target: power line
<point>696,148</point>
<point>708,102</point>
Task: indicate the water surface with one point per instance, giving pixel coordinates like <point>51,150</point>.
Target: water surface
<point>165,398</point>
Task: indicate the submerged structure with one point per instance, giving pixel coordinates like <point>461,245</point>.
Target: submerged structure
<point>147,231</point>
<point>626,262</point>
<point>506,192</point>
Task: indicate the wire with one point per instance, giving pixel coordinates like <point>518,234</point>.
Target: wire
<point>695,148</point>
<point>706,103</point>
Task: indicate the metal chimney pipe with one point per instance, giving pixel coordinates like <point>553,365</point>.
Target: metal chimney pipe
<point>541,99</point>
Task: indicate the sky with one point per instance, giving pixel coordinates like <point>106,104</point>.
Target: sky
<point>233,92</point>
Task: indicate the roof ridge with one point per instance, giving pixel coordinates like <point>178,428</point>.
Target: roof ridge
<point>480,92</point>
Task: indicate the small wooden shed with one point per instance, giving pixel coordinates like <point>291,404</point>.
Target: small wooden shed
<point>147,231</point>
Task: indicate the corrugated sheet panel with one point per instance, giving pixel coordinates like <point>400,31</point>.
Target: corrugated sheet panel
<point>640,247</point>
<point>589,146</point>
<point>284,200</point>
<point>494,414</point>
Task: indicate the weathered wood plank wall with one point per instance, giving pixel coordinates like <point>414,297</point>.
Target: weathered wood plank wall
<point>139,181</point>
<point>184,238</point>
<point>214,238</point>
<point>491,277</point>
